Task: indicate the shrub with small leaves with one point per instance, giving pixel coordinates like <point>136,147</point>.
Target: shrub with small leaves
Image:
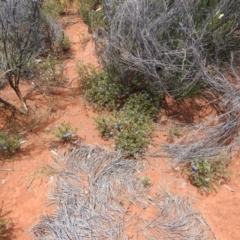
<point>65,132</point>
<point>9,143</point>
<point>205,175</point>
<point>55,8</point>
<point>131,126</point>
<point>146,181</point>
<point>92,13</point>
<point>103,89</point>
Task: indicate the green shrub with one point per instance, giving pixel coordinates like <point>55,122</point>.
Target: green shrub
<point>205,175</point>
<point>131,126</point>
<point>91,17</point>
<point>106,90</point>
<point>65,132</point>
<point>55,8</point>
<point>103,89</point>
<point>133,107</point>
<point>9,143</point>
<point>146,181</point>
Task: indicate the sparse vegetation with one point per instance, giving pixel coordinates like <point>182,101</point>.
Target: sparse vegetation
<point>92,13</point>
<point>206,175</point>
<point>65,44</point>
<point>174,131</point>
<point>55,8</point>
<point>146,181</point>
<point>9,143</point>
<point>3,224</point>
<point>65,132</point>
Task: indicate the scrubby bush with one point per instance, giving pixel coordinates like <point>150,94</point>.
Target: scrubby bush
<point>55,8</point>
<point>132,125</point>
<point>92,13</point>
<point>9,143</point>
<point>181,49</point>
<point>25,33</point>
<point>172,43</point>
<point>65,132</point>
<point>146,181</point>
<point>132,104</point>
<point>206,175</point>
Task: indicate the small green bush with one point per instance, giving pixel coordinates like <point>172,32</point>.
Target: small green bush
<point>91,17</point>
<point>65,132</point>
<point>106,90</point>
<point>146,181</point>
<point>131,126</point>
<point>103,89</point>
<point>205,175</point>
<point>55,8</point>
<point>9,143</point>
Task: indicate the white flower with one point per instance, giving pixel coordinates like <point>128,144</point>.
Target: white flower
<point>220,16</point>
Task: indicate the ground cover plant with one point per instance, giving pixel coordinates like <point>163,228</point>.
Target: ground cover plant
<point>64,132</point>
<point>207,175</point>
<point>55,8</point>
<point>9,143</point>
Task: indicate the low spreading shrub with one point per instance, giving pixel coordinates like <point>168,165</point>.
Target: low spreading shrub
<point>132,125</point>
<point>146,181</point>
<point>206,175</point>
<point>92,13</point>
<point>65,132</point>
<point>9,143</point>
<point>55,8</point>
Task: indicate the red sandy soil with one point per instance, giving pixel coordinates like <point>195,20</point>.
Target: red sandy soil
<point>25,181</point>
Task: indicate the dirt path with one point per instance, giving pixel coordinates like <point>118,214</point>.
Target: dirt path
<point>25,182</point>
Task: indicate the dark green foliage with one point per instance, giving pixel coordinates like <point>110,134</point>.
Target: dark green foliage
<point>131,126</point>
<point>106,89</point>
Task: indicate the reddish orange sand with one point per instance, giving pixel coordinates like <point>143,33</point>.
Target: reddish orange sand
<point>24,184</point>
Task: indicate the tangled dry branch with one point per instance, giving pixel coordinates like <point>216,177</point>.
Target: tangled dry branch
<point>181,48</point>
<point>94,191</point>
